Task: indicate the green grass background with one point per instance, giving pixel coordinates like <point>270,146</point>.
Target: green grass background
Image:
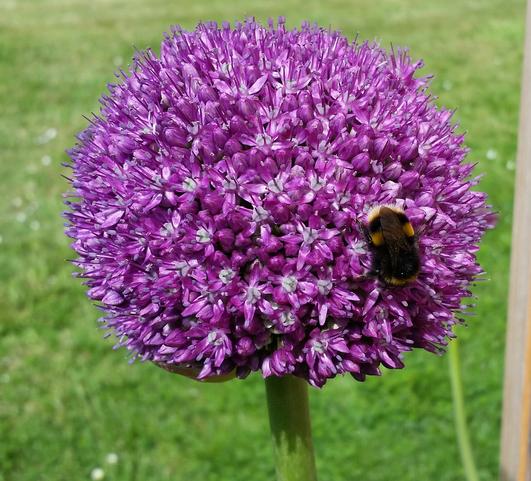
<point>67,399</point>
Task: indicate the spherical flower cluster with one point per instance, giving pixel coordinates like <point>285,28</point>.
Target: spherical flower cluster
<point>217,203</point>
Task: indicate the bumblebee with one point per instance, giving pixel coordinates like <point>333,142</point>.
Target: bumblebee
<point>393,243</point>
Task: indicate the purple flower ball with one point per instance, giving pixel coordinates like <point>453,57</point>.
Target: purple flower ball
<point>217,203</point>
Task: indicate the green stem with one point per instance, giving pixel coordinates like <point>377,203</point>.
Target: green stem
<point>463,438</point>
<point>289,418</point>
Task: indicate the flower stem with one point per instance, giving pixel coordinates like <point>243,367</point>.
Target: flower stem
<point>463,438</point>
<point>289,418</point>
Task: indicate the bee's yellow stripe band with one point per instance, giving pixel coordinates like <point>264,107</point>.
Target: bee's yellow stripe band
<point>399,282</point>
<point>408,229</point>
<point>377,238</point>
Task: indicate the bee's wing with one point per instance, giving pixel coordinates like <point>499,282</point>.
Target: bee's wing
<point>395,239</point>
<point>392,230</point>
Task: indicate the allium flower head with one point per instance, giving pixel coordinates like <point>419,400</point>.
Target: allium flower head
<point>218,197</point>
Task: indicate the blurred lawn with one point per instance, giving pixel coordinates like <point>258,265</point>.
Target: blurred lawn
<point>67,400</point>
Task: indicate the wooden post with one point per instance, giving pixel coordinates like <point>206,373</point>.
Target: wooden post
<point>516,429</point>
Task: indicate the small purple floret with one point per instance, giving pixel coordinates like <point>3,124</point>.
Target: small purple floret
<point>217,199</point>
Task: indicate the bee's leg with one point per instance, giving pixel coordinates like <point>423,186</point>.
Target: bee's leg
<point>374,271</point>
<point>376,263</point>
<point>420,230</point>
<point>362,228</point>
